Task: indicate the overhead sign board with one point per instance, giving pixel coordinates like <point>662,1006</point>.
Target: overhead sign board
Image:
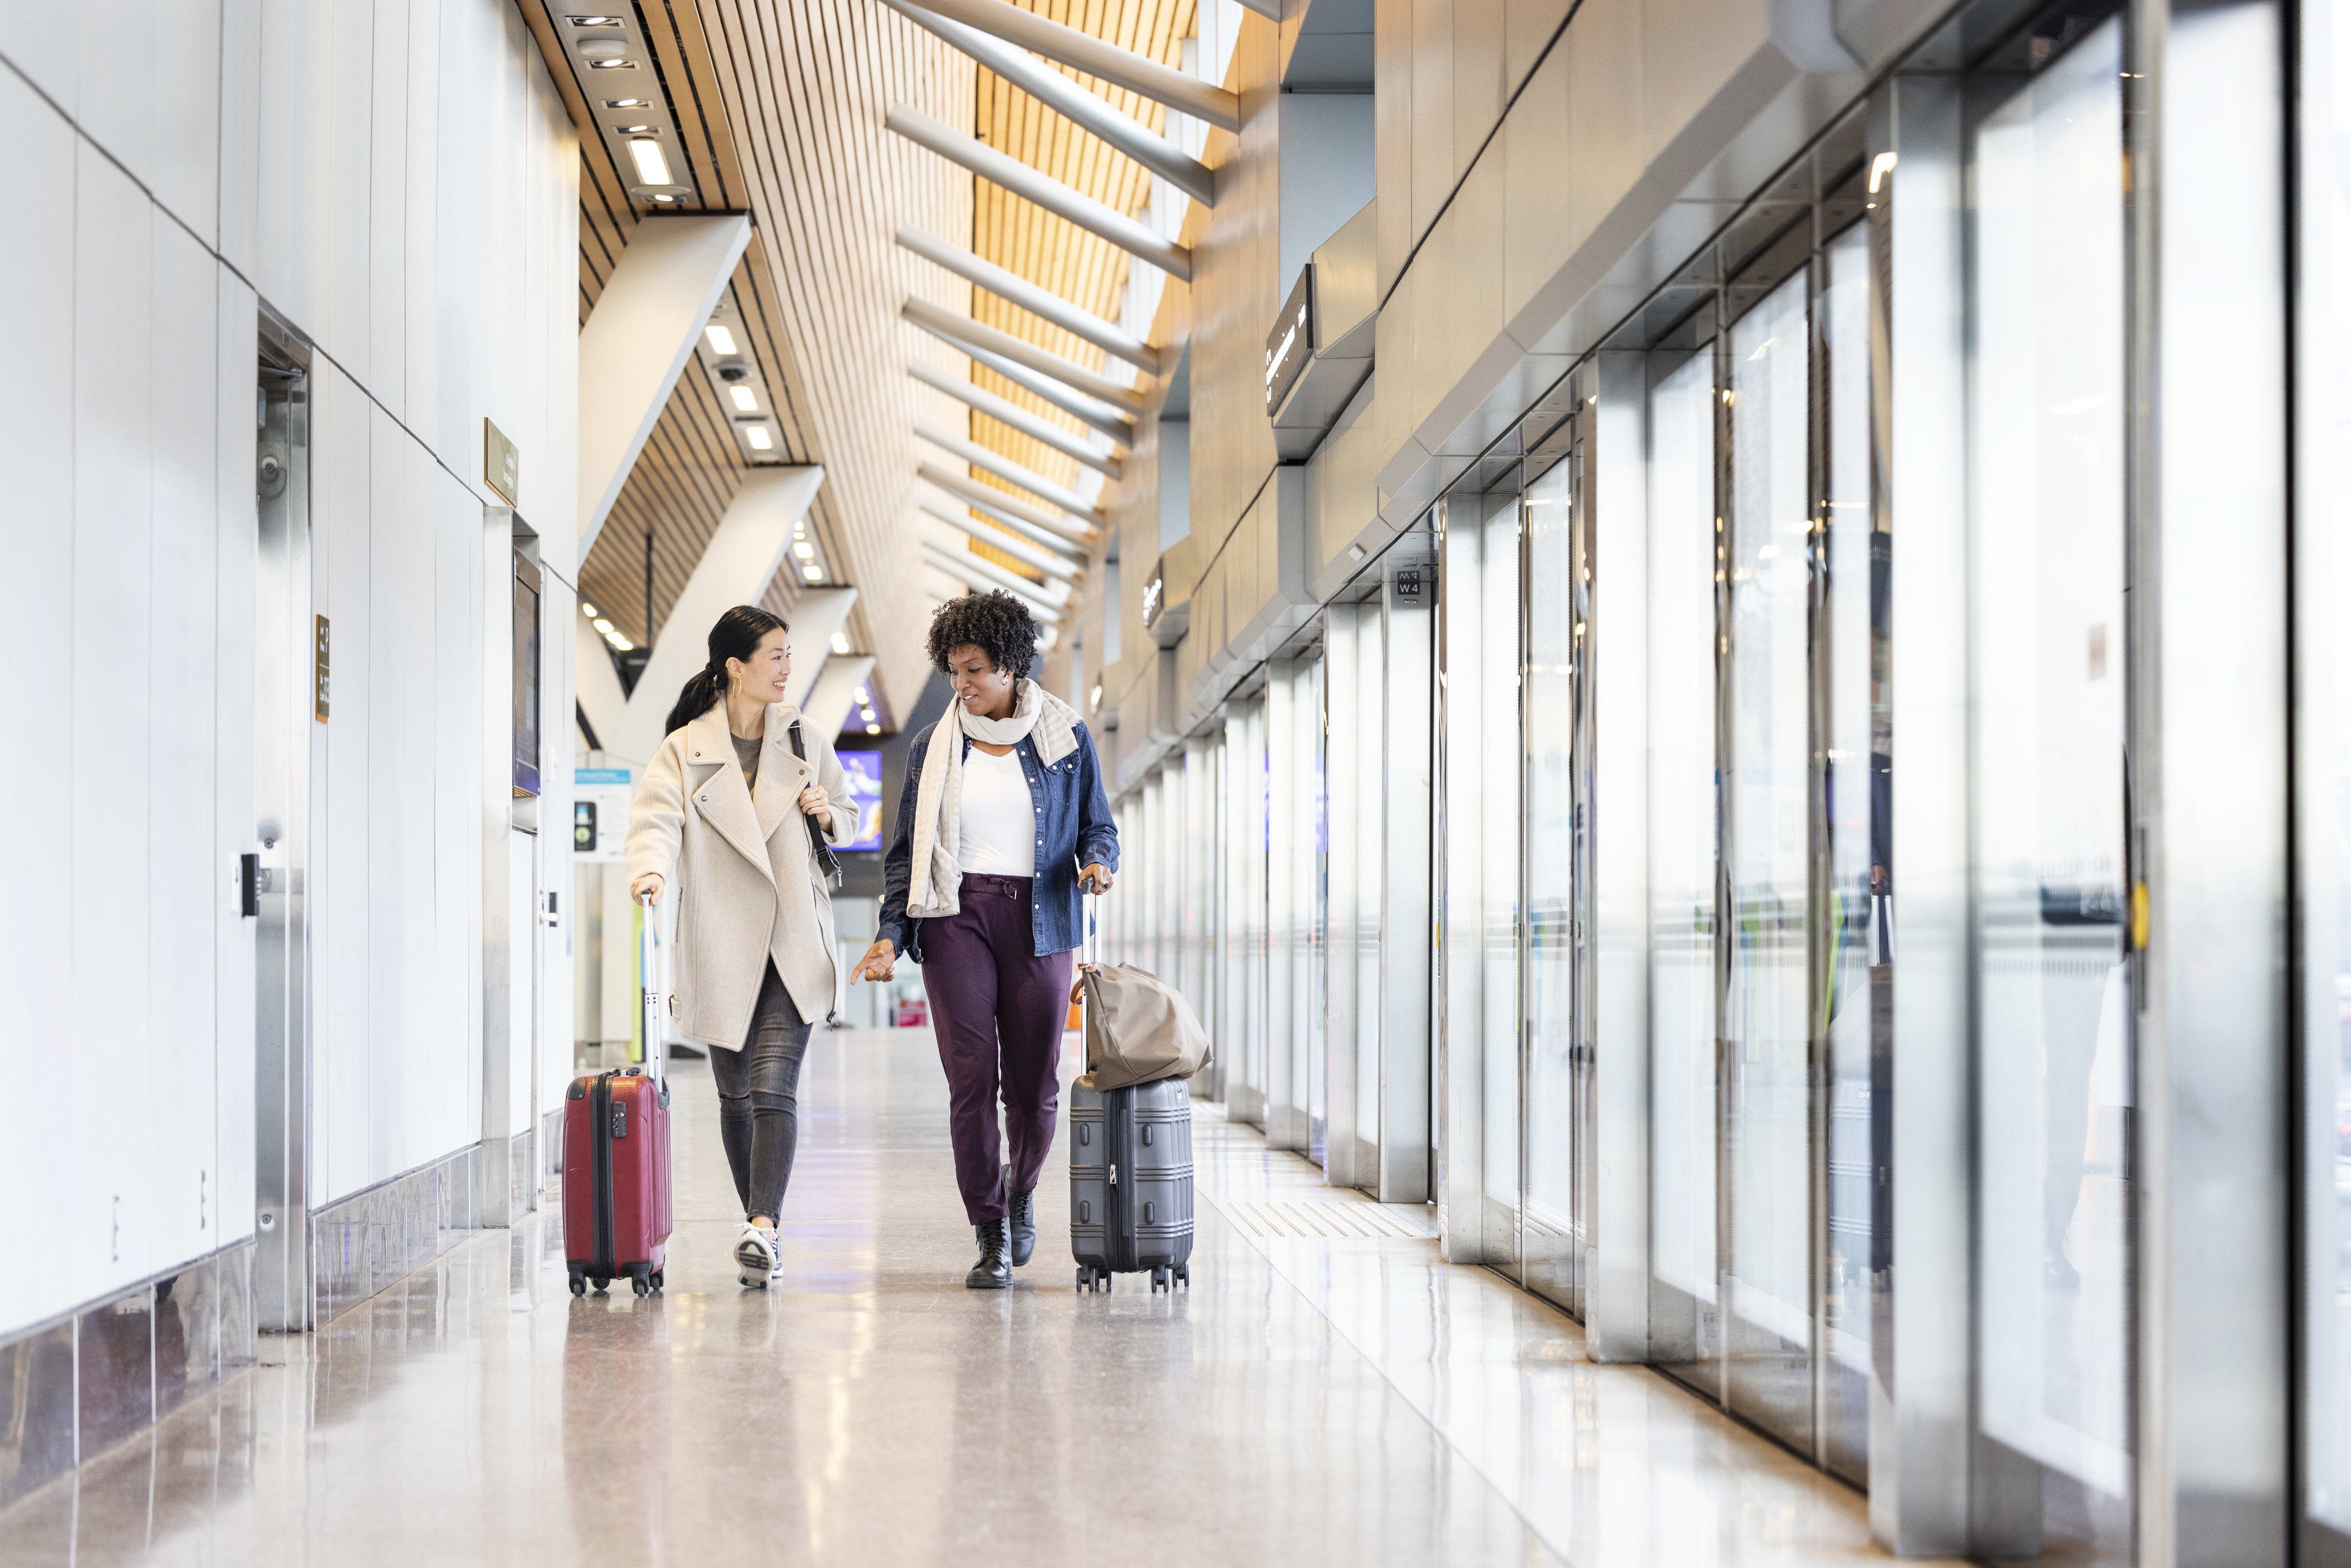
<point>1291,343</point>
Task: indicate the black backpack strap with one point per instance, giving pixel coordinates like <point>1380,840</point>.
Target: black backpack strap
<point>828,865</point>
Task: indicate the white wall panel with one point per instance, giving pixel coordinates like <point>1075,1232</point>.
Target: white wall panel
<point>396,606</point>
<point>339,931</point>
<point>235,821</point>
<point>388,210</point>
<point>420,259</point>
<point>114,64</point>
<point>36,430</point>
<point>240,133</point>
<point>104,1080</point>
<point>456,655</point>
<point>186,879</point>
<point>291,162</point>
<point>187,114</point>
<point>445,1072</point>
<point>343,254</point>
<point>40,40</point>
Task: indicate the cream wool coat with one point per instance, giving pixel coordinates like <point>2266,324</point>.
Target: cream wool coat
<point>737,872</point>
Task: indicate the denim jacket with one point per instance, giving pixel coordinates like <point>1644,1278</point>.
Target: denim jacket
<point>1074,831</point>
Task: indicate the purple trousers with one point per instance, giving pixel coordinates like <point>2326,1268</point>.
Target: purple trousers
<point>998,1011</point>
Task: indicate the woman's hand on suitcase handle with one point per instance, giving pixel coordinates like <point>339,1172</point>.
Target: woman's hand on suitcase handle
<point>881,961</point>
<point>1095,878</point>
<point>647,888</point>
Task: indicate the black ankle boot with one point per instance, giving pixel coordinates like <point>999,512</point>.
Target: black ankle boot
<point>994,1269</point>
<point>1024,1226</point>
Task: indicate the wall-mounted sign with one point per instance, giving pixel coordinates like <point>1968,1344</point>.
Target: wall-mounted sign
<point>599,813</point>
<point>1409,585</point>
<point>1291,343</point>
<point>1155,597</point>
<point>501,464</point>
<point>318,661</point>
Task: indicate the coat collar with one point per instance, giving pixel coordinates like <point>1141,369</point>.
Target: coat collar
<point>725,801</point>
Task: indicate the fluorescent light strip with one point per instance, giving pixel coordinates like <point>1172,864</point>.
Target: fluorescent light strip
<point>653,168</point>
<point>722,341</point>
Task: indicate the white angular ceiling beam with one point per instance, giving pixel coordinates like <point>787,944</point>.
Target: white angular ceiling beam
<point>1004,411</point>
<point>1110,337</point>
<point>1111,422</point>
<point>736,568</point>
<point>816,615</point>
<point>1044,560</point>
<point>996,500</point>
<point>636,341</point>
<point>967,334</point>
<point>1045,539</point>
<point>1008,471</point>
<point>973,572</point>
<point>1056,91</point>
<point>835,693</point>
<point>1100,218</point>
<point>1084,52</point>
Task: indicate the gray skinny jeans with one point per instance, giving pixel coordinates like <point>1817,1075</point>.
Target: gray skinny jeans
<point>759,1099</point>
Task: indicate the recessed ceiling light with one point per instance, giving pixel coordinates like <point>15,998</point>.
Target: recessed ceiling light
<point>588,609</point>
<point>868,714</point>
<point>756,435</point>
<point>863,700</point>
<point>664,198</point>
<point>653,166</point>
<point>604,626</point>
<point>744,399</point>
<point>638,130</point>
<point>873,729</point>
<point>626,103</point>
<point>621,644</point>
<point>612,65</point>
<point>722,341</point>
<point>808,552</point>
<point>813,573</point>
<point>841,641</point>
<point>595,21</point>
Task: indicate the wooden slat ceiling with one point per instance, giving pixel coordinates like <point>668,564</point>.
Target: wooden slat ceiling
<point>780,110</point>
<point>1047,249</point>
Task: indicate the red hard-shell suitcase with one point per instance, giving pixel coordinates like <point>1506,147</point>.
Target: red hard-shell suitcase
<point>616,1181</point>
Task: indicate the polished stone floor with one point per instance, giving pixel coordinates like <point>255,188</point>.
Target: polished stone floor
<point>1313,1400</point>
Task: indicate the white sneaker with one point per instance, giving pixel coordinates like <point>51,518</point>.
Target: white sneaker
<point>758,1256</point>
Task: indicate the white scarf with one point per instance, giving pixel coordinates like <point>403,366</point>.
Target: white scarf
<point>937,872</point>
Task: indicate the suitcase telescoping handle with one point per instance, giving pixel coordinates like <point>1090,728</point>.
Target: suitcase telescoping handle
<point>650,991</point>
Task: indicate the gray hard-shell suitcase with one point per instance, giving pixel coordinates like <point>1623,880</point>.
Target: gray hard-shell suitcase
<point>1130,1182</point>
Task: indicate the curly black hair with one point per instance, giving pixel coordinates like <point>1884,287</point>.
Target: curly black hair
<point>994,622</point>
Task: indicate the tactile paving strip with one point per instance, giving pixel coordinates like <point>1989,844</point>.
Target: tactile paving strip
<point>1332,1219</point>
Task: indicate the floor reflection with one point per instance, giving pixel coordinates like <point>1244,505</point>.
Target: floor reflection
<point>1313,1403</point>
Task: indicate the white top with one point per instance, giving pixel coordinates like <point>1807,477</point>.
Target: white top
<point>997,820</point>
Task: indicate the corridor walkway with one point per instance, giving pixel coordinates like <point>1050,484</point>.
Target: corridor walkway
<point>1310,1401</point>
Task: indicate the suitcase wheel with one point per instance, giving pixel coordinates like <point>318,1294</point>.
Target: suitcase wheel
<point>578,1286</point>
<point>656,1278</point>
<point>1184,1274</point>
<point>1085,1277</point>
<point>637,1282</point>
<point>1159,1281</point>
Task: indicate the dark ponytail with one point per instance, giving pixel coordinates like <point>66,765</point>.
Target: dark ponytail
<point>735,636</point>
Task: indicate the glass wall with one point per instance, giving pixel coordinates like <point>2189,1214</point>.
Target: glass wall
<point>1550,1243</point>
<point>2324,556</point>
<point>2052,1036</point>
<point>1685,1325</point>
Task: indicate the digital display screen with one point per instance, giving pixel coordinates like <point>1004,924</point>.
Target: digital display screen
<point>864,770</point>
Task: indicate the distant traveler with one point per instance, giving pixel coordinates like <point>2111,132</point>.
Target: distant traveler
<point>1003,805</point>
<point>755,955</point>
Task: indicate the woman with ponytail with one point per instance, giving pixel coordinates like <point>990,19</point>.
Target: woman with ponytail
<point>730,811</point>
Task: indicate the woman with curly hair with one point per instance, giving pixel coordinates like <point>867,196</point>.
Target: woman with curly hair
<point>1002,826</point>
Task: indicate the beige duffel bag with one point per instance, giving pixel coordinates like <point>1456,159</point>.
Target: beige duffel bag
<point>1138,1028</point>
